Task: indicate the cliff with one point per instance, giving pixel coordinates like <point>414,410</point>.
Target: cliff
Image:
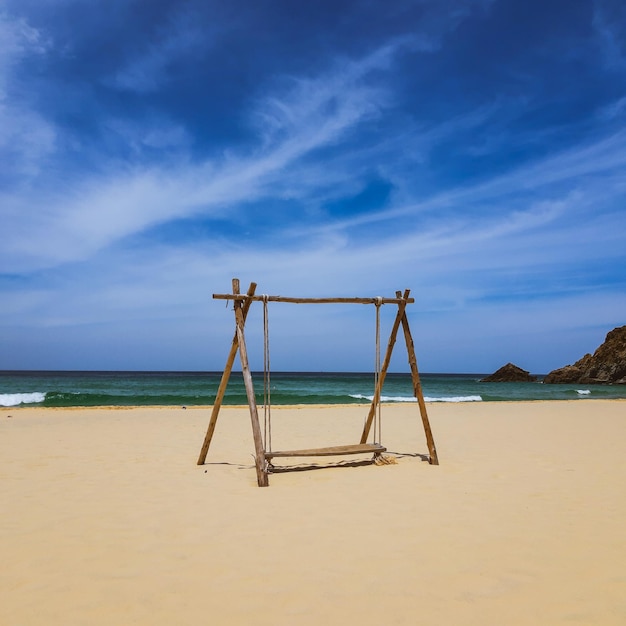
<point>607,365</point>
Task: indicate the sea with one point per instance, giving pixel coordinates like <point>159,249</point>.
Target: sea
<point>93,389</point>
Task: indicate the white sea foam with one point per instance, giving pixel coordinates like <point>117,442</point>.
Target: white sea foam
<point>426,398</point>
<point>360,396</point>
<point>583,392</point>
<point>394,399</point>
<point>15,399</point>
<point>455,399</point>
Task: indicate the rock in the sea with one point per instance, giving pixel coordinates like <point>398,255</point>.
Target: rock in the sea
<point>607,365</point>
<point>509,373</point>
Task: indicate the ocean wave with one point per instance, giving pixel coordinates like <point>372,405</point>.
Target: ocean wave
<point>360,396</point>
<point>455,399</point>
<point>583,392</point>
<point>426,398</point>
<point>15,399</point>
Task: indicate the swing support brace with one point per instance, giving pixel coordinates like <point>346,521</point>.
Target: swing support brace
<point>242,304</point>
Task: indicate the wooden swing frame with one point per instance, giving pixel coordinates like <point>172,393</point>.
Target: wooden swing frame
<point>242,304</point>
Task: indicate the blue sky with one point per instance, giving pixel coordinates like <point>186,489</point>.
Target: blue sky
<point>474,152</point>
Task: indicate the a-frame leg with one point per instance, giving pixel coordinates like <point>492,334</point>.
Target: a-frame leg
<point>383,370</point>
<point>417,389</point>
<point>221,390</point>
<point>260,461</point>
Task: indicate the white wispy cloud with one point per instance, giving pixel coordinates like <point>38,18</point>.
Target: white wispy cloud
<point>97,211</point>
<point>613,110</point>
<point>609,22</point>
<point>17,40</point>
<point>26,138</point>
<point>151,67</point>
<point>483,254</point>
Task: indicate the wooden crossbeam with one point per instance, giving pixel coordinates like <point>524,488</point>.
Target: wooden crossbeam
<point>236,297</point>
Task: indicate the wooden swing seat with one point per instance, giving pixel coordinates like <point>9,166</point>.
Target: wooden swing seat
<point>359,448</point>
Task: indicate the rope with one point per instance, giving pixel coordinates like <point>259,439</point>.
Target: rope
<point>267,400</point>
<point>377,415</point>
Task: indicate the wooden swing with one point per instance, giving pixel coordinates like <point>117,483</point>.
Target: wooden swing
<point>263,451</point>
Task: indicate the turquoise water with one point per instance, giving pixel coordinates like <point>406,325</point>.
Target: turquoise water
<point>65,389</point>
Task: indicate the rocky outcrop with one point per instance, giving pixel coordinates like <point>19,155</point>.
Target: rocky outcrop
<point>509,373</point>
<point>607,365</point>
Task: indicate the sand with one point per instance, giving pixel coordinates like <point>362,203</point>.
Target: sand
<point>107,520</point>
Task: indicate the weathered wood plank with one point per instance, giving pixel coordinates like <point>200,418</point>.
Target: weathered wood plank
<point>330,451</point>
<point>257,298</point>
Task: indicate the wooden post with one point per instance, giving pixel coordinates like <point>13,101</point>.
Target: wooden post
<point>221,390</point>
<point>260,462</point>
<point>417,389</point>
<point>383,371</point>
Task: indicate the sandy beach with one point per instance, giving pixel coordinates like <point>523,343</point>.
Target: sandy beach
<point>106,518</point>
